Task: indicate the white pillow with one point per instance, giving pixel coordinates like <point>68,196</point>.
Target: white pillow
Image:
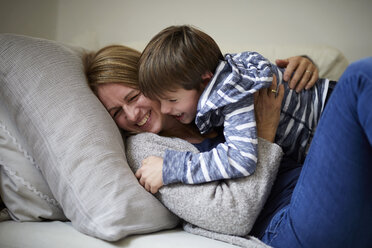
<point>74,141</point>
<point>23,189</point>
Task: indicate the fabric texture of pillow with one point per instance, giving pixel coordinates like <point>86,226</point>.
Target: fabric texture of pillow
<point>22,186</point>
<point>74,141</point>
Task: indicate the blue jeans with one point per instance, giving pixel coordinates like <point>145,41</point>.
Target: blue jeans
<point>331,205</point>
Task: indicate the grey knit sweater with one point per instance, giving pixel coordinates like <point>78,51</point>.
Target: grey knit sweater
<point>224,210</point>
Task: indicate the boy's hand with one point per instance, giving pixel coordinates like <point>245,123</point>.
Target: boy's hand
<point>150,175</point>
<point>305,73</point>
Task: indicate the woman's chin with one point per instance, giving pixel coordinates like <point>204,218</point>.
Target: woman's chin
<point>154,130</point>
<point>150,128</point>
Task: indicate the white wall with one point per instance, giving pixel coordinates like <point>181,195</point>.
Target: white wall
<point>344,24</point>
<point>35,17</point>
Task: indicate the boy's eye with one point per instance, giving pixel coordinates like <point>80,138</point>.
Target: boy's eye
<point>172,100</point>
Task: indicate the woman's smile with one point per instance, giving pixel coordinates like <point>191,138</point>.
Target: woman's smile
<point>144,120</point>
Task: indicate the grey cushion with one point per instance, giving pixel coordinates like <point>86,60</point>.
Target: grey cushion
<point>74,141</point>
<point>22,186</point>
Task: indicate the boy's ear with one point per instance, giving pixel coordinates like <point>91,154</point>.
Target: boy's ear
<point>206,77</point>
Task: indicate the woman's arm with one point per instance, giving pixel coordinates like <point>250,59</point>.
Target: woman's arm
<point>227,206</point>
<point>267,106</point>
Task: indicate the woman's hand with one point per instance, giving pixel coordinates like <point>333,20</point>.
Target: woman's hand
<point>267,105</point>
<point>305,72</point>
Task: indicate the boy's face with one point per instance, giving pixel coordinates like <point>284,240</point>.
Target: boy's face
<point>181,104</point>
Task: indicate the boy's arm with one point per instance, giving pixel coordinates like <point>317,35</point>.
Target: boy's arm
<point>230,103</point>
<point>235,158</point>
<point>150,173</point>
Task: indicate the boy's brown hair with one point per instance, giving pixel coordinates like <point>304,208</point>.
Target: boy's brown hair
<point>177,57</point>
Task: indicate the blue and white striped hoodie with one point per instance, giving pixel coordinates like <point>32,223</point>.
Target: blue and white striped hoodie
<point>228,101</point>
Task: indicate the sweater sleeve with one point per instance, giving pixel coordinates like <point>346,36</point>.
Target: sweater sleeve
<point>228,100</point>
<point>227,206</point>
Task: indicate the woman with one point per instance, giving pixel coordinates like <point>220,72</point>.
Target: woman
<point>330,205</point>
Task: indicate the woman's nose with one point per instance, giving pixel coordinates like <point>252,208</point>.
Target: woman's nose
<point>165,108</point>
<point>130,111</point>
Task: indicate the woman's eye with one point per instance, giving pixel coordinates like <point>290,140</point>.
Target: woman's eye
<point>116,113</point>
<point>172,100</point>
<point>133,98</point>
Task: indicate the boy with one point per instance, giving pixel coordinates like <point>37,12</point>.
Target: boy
<point>184,68</point>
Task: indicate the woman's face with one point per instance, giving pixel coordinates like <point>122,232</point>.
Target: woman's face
<point>131,110</point>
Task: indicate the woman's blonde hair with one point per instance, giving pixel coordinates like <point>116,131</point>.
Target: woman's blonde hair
<point>112,64</point>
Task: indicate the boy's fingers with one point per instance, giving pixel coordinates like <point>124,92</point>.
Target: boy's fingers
<point>142,181</point>
<point>154,190</point>
<point>138,173</point>
<point>147,187</point>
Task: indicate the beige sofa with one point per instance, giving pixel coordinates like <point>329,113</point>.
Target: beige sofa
<point>58,195</point>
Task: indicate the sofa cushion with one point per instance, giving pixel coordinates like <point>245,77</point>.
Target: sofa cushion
<point>74,141</point>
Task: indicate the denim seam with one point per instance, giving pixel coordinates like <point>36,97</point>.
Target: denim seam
<point>276,227</point>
